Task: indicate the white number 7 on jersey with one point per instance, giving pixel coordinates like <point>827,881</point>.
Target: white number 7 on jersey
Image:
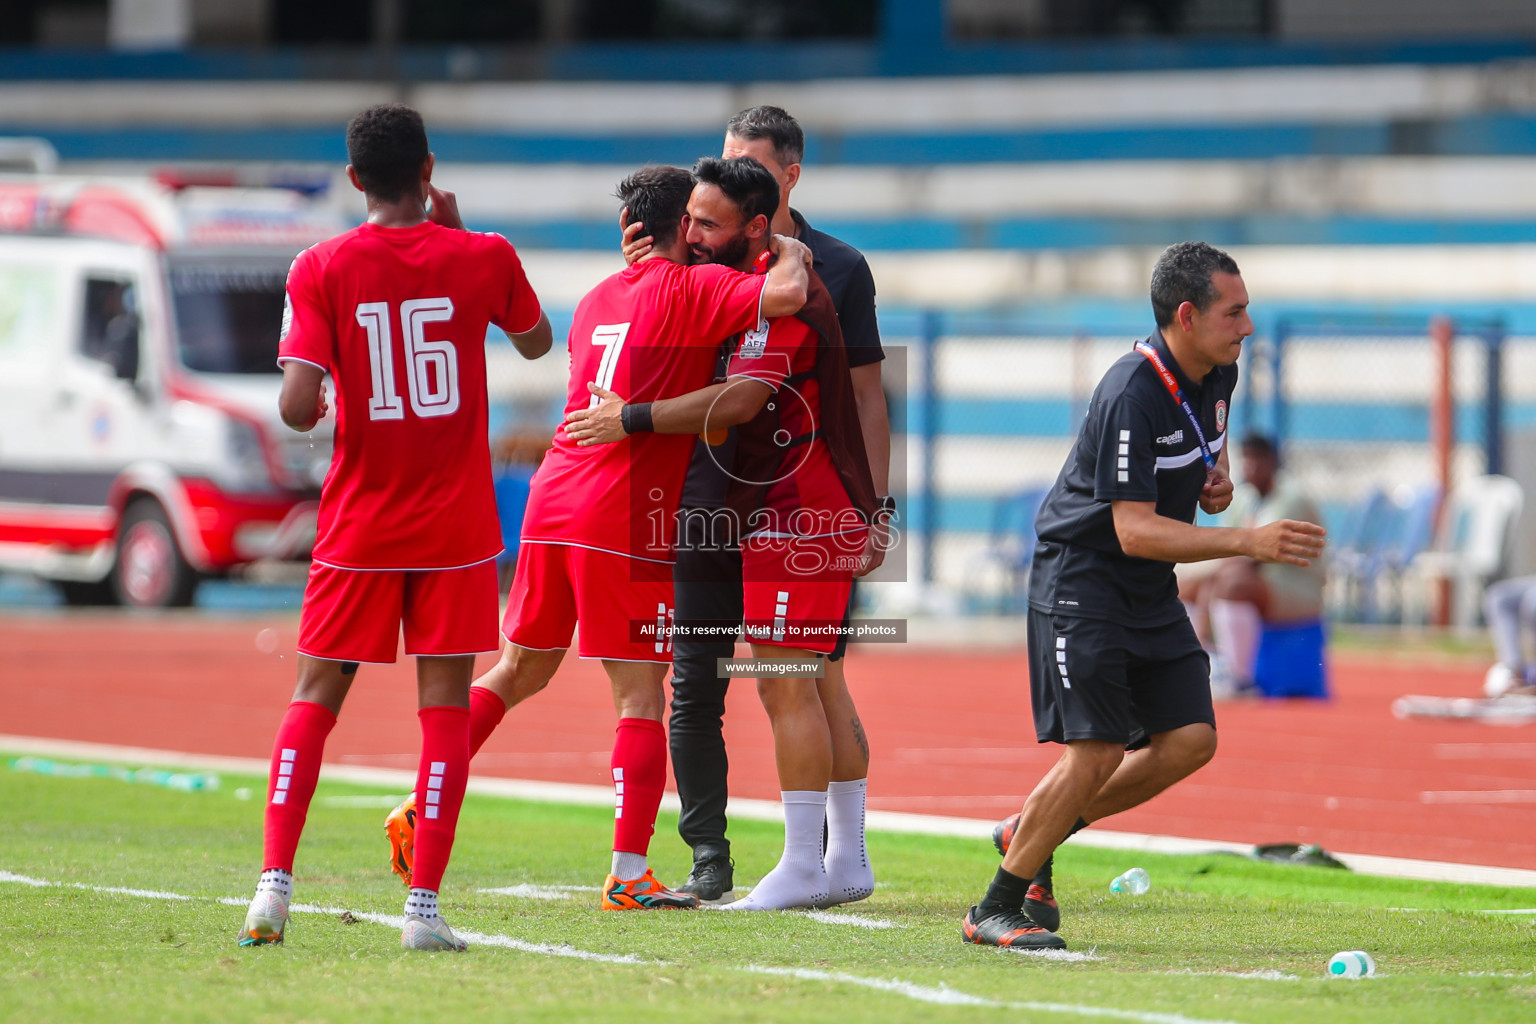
<point>431,367</point>
<point>609,338</point>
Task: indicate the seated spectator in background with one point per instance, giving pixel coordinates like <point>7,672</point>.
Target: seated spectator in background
<point>1510,606</point>
<point>1235,598</point>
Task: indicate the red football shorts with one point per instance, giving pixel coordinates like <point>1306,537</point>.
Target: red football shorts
<point>618,601</point>
<point>794,590</point>
<point>355,615</point>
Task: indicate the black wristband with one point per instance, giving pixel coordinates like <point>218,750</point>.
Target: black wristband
<point>636,419</point>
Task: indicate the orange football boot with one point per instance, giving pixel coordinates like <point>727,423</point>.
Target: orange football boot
<point>400,826</point>
<point>644,893</point>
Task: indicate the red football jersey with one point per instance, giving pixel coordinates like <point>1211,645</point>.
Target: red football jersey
<point>398,317</point>
<point>806,496</point>
<point>650,331</point>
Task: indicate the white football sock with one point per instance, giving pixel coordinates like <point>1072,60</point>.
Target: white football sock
<point>799,880</point>
<point>1235,628</point>
<point>278,881</point>
<point>422,903</point>
<point>628,866</point>
<point>849,875</point>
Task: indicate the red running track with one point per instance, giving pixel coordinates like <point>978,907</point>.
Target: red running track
<point>951,734</point>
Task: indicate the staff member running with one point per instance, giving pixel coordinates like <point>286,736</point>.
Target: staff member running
<point>1114,662</point>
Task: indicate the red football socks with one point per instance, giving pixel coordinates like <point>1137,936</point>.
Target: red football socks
<point>486,710</point>
<point>440,780</point>
<point>639,776</point>
<point>291,782</point>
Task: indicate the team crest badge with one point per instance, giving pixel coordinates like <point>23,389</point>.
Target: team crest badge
<point>1221,416</point>
<point>755,342</point>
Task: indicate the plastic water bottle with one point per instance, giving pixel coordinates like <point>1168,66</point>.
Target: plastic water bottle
<point>1352,963</point>
<point>1135,881</point>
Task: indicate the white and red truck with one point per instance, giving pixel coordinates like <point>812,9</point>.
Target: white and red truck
<point>140,445</point>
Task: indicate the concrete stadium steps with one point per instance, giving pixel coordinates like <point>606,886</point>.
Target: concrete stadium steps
<point>845,107</point>
<point>1090,289</point>
<point>1032,206</point>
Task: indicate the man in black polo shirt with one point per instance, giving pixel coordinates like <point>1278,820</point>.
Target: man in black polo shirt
<point>707,576</point>
<point>1114,662</point>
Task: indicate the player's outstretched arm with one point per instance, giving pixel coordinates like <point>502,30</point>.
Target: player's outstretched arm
<point>713,408</point>
<point>789,280</point>
<point>1145,534</point>
<point>533,344</point>
<point>301,403</point>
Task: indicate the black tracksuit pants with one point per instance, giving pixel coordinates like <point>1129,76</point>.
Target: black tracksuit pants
<point>707,593</point>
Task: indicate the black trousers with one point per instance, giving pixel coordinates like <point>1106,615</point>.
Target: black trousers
<point>706,595</point>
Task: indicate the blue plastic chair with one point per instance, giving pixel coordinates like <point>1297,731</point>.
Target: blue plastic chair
<point>512,486</point>
<point>1011,543</point>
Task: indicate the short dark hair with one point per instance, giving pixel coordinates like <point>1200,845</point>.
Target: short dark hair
<point>744,181</point>
<point>1261,445</point>
<point>657,195</point>
<point>1183,274</point>
<point>387,146</point>
<point>775,125</point>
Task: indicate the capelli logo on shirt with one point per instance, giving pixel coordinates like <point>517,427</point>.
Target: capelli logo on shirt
<point>1177,437</point>
<point>755,342</point>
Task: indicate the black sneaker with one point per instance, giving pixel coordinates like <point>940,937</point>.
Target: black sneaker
<point>1003,832</point>
<point>1040,904</point>
<point>1009,929</point>
<point>712,879</point>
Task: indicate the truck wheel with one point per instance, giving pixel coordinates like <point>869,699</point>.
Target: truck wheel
<point>151,571</point>
<point>79,594</point>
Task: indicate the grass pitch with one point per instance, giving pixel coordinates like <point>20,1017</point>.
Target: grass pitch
<point>1218,938</point>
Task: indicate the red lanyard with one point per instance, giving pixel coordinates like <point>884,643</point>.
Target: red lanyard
<point>1172,384</point>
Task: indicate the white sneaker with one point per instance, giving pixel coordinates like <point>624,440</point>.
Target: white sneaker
<point>430,934</point>
<point>265,920</point>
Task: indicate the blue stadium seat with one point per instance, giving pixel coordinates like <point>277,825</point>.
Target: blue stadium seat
<point>511,501</point>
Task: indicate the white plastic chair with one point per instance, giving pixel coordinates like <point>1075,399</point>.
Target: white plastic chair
<point>1475,545</point>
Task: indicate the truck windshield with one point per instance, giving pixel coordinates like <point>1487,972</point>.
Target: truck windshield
<point>229,312</point>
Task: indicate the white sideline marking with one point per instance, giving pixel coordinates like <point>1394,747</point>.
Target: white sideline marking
<point>541,892</point>
<point>1266,975</point>
<point>826,917</point>
<point>1066,956</point>
<point>1531,910</point>
<point>942,994</point>
<point>153,894</point>
<point>1498,974</point>
<point>382,802</point>
<point>768,810</point>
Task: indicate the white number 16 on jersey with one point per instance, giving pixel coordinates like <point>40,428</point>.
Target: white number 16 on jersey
<point>431,367</point>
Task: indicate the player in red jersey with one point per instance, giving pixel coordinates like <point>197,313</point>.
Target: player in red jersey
<point>597,535</point>
<point>396,311</point>
<point>802,499</point>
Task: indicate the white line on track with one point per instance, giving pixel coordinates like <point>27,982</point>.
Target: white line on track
<point>1478,796</point>
<point>941,994</point>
